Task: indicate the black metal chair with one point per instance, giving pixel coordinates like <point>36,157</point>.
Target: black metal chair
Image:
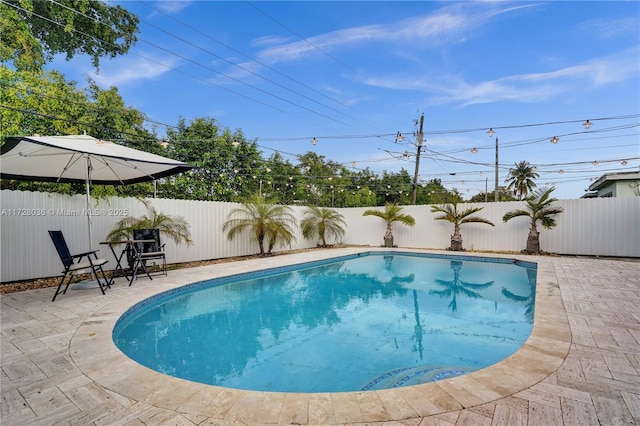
<point>150,250</point>
<point>73,264</point>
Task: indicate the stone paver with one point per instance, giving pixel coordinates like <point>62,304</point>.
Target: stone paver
<point>580,366</point>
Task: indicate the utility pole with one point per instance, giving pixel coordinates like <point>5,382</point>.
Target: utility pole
<point>495,193</point>
<point>415,176</point>
<point>486,195</point>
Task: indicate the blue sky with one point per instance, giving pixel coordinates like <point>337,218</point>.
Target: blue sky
<point>353,74</point>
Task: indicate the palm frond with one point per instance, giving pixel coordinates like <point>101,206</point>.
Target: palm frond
<point>476,219</point>
<point>515,213</point>
<point>175,228</point>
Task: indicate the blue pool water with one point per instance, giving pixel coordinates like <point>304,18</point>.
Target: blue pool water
<point>360,322</point>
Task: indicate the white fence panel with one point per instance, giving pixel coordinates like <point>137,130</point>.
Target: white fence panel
<point>26,251</point>
<point>601,227</point>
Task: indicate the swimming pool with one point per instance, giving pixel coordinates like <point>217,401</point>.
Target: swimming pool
<point>359,322</point>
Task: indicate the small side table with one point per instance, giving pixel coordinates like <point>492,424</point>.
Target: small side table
<point>118,267</point>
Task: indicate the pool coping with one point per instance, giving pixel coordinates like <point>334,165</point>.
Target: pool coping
<point>95,354</point>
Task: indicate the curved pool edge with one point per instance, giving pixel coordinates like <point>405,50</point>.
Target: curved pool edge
<point>94,352</point>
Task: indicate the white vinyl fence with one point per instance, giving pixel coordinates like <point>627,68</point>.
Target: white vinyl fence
<point>601,227</point>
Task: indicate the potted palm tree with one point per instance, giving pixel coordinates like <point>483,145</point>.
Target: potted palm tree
<point>320,222</point>
<point>392,213</point>
<point>539,210</point>
<point>175,228</point>
<point>264,220</point>
<point>450,213</point>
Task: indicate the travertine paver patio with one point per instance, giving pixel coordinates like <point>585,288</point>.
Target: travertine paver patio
<point>580,366</point>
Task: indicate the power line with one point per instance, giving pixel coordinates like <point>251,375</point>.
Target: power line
<point>307,41</point>
<point>242,54</point>
<point>158,62</point>
<point>447,158</point>
<point>206,66</point>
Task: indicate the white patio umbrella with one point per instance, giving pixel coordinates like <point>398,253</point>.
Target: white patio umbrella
<point>81,159</point>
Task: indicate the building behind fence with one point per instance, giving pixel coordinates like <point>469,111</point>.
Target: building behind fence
<point>591,227</point>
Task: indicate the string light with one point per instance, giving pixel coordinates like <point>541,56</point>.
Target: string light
<point>554,140</point>
<point>399,137</point>
<point>490,132</point>
<point>587,124</point>
<point>474,150</point>
<point>314,141</point>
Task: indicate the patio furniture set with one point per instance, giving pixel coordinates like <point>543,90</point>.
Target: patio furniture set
<point>145,246</point>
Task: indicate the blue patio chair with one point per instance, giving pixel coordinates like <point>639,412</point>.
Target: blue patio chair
<point>73,264</point>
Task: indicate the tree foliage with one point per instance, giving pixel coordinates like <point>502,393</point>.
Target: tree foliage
<point>490,197</point>
<point>223,171</point>
<point>33,31</point>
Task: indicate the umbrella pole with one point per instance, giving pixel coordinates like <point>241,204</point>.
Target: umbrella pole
<point>88,212</point>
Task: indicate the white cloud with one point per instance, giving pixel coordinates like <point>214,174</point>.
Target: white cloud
<point>172,6</point>
<point>126,70</point>
<point>450,24</point>
<point>269,41</point>
<point>608,29</point>
<point>532,87</point>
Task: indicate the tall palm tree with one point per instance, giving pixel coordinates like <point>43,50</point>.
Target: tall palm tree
<point>521,179</point>
<point>451,214</point>
<point>392,213</point>
<point>321,222</point>
<point>264,220</point>
<point>539,209</point>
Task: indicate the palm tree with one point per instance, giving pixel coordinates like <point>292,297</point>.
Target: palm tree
<point>391,214</point>
<point>320,222</point>
<point>456,286</point>
<point>521,179</point>
<point>450,213</point>
<point>174,227</point>
<point>280,232</point>
<point>539,209</point>
<point>264,220</point>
